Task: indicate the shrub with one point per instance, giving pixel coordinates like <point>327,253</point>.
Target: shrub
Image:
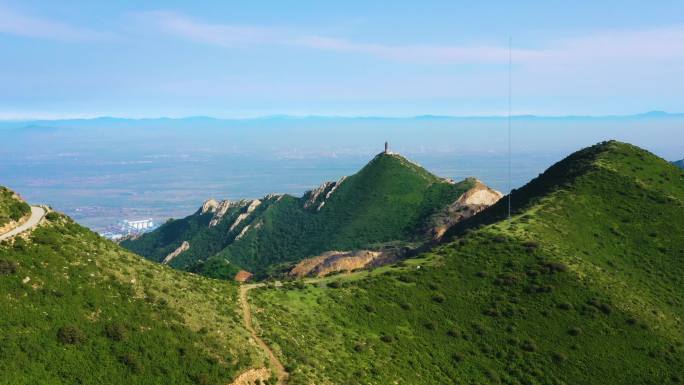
<point>457,357</point>
<point>430,325</point>
<point>575,331</point>
<point>405,278</point>
<point>369,308</point>
<point>116,331</point>
<point>481,274</point>
<point>559,357</point>
<point>405,305</point>
<point>52,216</point>
<point>531,245</point>
<point>202,379</point>
<point>132,362</point>
<point>565,306</point>
<point>507,279</point>
<point>529,346</point>
<point>439,298</point>
<point>556,267</point>
<point>334,284</point>
<point>7,267</point>
<point>499,239</point>
<point>386,338</point>
<point>70,335</point>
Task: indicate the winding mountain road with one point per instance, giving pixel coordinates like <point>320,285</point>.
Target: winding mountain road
<point>281,373</point>
<point>37,214</point>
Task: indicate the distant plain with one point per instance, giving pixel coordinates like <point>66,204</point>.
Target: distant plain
<point>100,171</point>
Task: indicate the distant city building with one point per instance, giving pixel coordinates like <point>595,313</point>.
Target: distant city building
<point>144,224</point>
<point>127,228</point>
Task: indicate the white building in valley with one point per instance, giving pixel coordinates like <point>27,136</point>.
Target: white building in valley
<point>137,226</point>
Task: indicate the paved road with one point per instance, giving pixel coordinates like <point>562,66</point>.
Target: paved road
<point>281,373</point>
<point>37,213</point>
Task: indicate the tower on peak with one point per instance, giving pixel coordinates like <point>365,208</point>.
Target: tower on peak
<point>386,147</point>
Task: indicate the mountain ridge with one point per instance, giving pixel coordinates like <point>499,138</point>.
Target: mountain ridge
<point>391,199</point>
<point>581,285</point>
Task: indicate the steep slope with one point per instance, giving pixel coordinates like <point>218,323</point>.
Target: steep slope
<point>76,308</point>
<point>583,285</point>
<point>12,209</point>
<point>390,200</point>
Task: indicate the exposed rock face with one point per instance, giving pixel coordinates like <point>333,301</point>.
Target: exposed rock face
<point>318,196</point>
<point>243,232</point>
<point>220,211</point>
<point>252,206</point>
<point>184,246</point>
<point>471,202</point>
<point>334,261</point>
<point>312,196</point>
<point>209,206</point>
<point>243,276</point>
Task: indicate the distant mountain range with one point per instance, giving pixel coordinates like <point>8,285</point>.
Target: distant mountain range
<point>109,120</point>
<point>679,163</point>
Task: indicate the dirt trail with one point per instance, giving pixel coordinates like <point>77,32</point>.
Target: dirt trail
<point>281,373</point>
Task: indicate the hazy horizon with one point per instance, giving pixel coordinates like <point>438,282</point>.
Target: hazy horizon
<point>100,171</point>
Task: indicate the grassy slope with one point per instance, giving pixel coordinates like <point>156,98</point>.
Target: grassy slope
<point>11,208</point>
<point>95,313</point>
<point>388,200</point>
<point>582,286</point>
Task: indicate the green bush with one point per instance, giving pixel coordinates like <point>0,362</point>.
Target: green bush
<point>7,267</point>
<point>70,335</point>
<point>117,331</point>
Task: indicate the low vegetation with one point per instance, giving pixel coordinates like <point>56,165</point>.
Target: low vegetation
<point>583,285</point>
<point>11,207</point>
<point>76,308</point>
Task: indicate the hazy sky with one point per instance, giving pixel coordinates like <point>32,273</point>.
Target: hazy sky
<point>392,58</point>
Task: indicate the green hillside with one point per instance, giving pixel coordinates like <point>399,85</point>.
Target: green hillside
<point>583,285</point>
<point>390,200</point>
<point>77,309</point>
<point>11,207</point>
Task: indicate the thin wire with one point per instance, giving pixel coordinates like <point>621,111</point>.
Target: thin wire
<point>510,185</point>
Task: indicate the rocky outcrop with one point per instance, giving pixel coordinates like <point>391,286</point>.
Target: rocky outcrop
<point>320,195</point>
<point>252,206</point>
<point>220,211</point>
<point>209,206</point>
<point>336,261</point>
<point>471,202</point>
<point>183,247</point>
<point>243,276</point>
<point>313,195</point>
<point>243,232</point>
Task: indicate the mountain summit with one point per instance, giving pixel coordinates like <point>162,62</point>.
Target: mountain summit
<point>390,202</point>
<point>581,285</point>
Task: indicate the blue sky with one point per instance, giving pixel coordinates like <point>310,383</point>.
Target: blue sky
<point>242,59</point>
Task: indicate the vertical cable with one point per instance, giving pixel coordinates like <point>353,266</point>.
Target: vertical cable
<point>510,185</point>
